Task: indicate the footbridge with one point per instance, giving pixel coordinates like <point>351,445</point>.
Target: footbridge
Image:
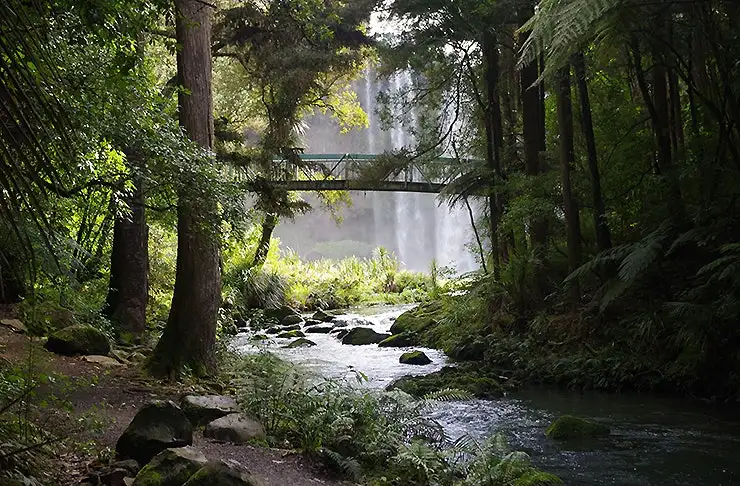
<point>360,172</point>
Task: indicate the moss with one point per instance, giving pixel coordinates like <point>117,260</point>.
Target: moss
<point>418,319</point>
<point>291,334</point>
<point>148,476</point>
<point>570,427</point>
<point>467,379</point>
<point>414,358</point>
<point>398,341</point>
<point>78,339</point>
<point>301,343</point>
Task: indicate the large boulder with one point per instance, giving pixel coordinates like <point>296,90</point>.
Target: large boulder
<point>223,473</point>
<point>291,320</point>
<point>363,335</point>
<point>323,316</point>
<point>291,334</point>
<point>397,341</point>
<point>78,339</point>
<point>300,343</point>
<point>159,425</point>
<point>340,333</point>
<point>206,408</point>
<point>470,380</point>
<point>234,428</point>
<point>418,319</point>
<point>171,467</point>
<point>281,313</point>
<point>414,358</point>
<point>569,427</point>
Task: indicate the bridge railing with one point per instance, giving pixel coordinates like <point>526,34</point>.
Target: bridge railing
<point>357,167</point>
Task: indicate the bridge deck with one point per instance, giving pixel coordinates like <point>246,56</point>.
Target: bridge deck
<point>344,172</point>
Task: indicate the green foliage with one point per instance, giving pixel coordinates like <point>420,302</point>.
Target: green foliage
<point>382,436</point>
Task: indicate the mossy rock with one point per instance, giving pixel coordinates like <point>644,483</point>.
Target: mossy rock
<point>323,316</point>
<point>281,313</point>
<point>78,339</point>
<point>414,358</point>
<point>259,337</point>
<point>398,341</point>
<point>291,334</point>
<point>418,319</point>
<point>292,320</point>
<point>569,427</point>
<point>359,336</point>
<point>469,380</point>
<point>301,343</point>
<point>171,467</point>
<point>222,473</point>
<point>291,327</point>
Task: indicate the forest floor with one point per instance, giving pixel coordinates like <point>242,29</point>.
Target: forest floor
<point>112,396</point>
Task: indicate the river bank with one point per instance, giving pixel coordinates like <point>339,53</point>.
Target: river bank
<point>654,441</point>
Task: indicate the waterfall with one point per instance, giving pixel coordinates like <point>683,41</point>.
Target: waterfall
<point>412,225</point>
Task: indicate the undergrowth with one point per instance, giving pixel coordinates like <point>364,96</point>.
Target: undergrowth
<point>381,437</point>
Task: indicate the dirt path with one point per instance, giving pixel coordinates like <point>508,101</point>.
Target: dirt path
<point>112,395</point>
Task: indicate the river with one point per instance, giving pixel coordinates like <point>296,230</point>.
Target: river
<point>654,441</point>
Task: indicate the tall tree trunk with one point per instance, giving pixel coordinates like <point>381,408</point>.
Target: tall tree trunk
<point>190,335</point>
<point>534,137</point>
<point>128,287</point>
<point>603,235</point>
<point>567,159</point>
<point>268,226</point>
<point>493,141</point>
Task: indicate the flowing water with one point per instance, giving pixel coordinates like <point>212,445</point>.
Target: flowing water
<point>654,441</point>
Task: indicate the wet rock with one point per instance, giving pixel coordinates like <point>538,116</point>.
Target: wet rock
<point>273,330</point>
<point>312,322</point>
<point>16,325</point>
<point>569,427</point>
<point>414,358</point>
<point>240,323</point>
<point>281,313</point>
<point>102,360</point>
<point>417,319</point>
<point>78,339</point>
<point>171,467</point>
<point>323,316</point>
<point>292,320</point>
<point>301,343</point>
<point>223,473</point>
<point>340,333</point>
<point>234,428</point>
<point>201,410</point>
<point>469,380</point>
<point>291,334</point>
<point>259,337</point>
<point>397,341</point>
<point>363,335</point>
<point>319,330</point>
<point>292,327</point>
<point>159,425</point>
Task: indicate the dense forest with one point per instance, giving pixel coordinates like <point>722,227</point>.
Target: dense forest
<point>594,143</point>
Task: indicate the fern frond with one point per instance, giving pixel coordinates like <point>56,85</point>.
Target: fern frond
<point>348,466</point>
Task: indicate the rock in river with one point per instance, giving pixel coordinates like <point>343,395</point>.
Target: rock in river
<point>363,335</point>
<point>291,320</point>
<point>414,358</point>
<point>319,329</point>
<point>291,334</point>
<point>301,343</point>
<point>397,341</point>
<point>570,427</point>
<point>323,316</point>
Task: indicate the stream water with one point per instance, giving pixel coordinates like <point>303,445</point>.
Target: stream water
<point>654,441</point>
